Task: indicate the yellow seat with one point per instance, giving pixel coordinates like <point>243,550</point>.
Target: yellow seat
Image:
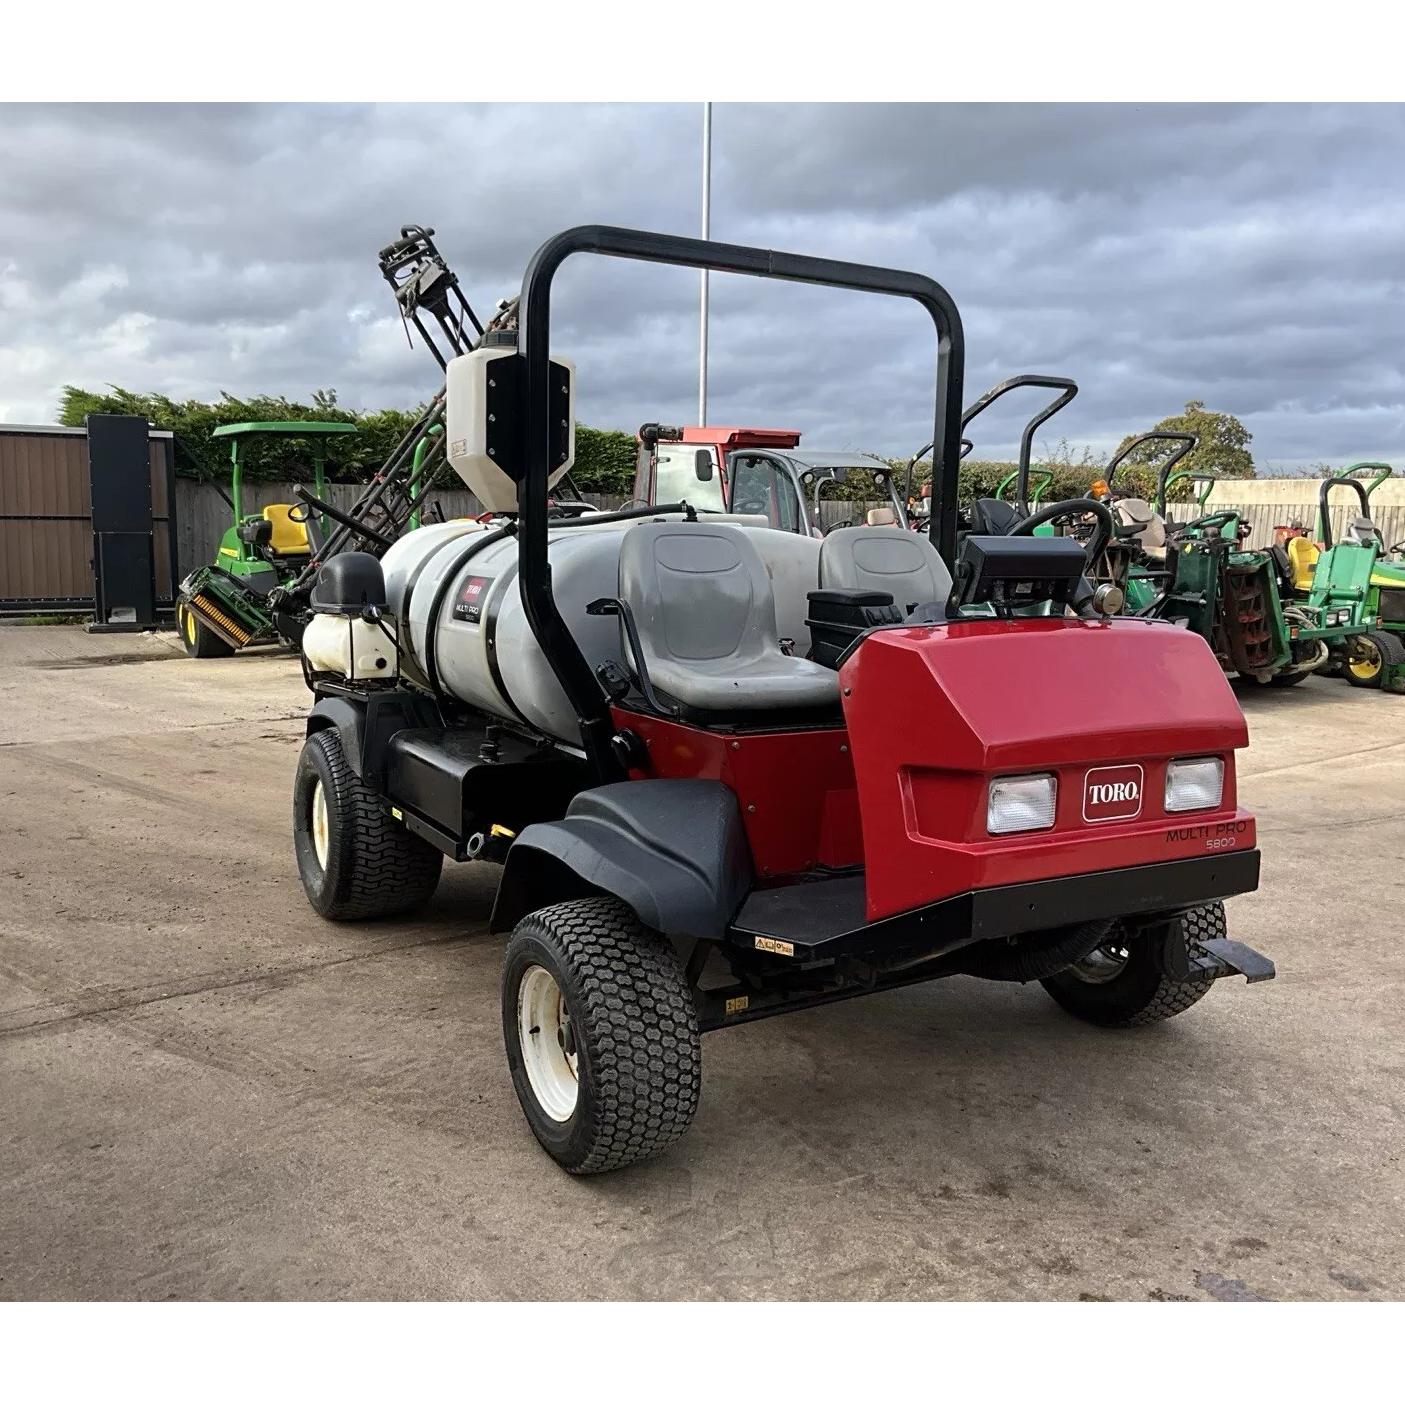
<point>1302,557</point>
<point>289,536</point>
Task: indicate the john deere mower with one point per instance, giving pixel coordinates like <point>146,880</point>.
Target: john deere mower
<point>1360,577</point>
<point>224,606</point>
<point>699,827</point>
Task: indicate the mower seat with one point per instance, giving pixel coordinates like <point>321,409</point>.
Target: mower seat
<point>289,536</point>
<point>993,517</point>
<point>1149,528</point>
<point>882,517</point>
<point>1302,556</point>
<point>1363,530</point>
<point>904,564</point>
<point>701,598</point>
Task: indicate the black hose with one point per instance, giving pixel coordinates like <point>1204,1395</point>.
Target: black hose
<point>1035,957</point>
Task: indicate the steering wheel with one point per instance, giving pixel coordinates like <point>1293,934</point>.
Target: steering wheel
<point>835,526</point>
<point>1211,520</point>
<point>1073,507</point>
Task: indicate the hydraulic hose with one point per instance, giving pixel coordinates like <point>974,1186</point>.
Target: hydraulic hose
<point>1034,958</point>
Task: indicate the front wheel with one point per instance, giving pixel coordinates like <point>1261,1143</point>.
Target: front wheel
<point>201,642</point>
<point>1371,656</point>
<point>1120,983</point>
<point>601,1033</point>
<point>355,859</point>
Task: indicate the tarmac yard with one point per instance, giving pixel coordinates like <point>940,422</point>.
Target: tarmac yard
<point>208,1092</point>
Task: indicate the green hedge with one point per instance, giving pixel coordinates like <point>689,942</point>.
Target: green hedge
<point>604,457</point>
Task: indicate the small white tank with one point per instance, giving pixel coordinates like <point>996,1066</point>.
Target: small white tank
<point>354,648</point>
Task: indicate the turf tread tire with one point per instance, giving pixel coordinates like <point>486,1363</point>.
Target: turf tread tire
<point>375,866</point>
<point>1142,995</point>
<point>638,1042</point>
<point>1392,652</point>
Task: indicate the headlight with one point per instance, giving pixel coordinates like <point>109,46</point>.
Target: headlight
<point>1194,785</point>
<point>1021,802</point>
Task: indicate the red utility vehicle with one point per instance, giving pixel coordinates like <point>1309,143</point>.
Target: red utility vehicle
<point>973,771</point>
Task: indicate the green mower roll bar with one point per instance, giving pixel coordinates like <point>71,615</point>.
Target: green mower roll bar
<point>1167,482</point>
<point>1045,477</point>
<point>318,431</point>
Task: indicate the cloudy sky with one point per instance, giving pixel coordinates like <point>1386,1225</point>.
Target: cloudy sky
<point>1249,256</point>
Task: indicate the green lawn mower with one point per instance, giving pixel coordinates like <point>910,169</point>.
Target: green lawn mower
<point>1245,603</point>
<point>224,606</point>
<point>1359,574</point>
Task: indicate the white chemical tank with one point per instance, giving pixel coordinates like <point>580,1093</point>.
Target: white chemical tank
<point>485,653</point>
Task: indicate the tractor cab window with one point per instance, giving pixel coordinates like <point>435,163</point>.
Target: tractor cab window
<point>762,485</point>
<point>676,477</point>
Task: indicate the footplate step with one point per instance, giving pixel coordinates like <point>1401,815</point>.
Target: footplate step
<point>1242,960</point>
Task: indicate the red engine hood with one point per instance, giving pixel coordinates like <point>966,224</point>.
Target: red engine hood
<point>934,711</point>
<point>1016,694</point>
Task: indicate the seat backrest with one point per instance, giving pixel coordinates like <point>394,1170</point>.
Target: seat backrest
<point>1302,556</point>
<point>1151,533</point>
<point>1363,530</point>
<point>699,592</point>
<point>882,517</point>
<point>993,517</point>
<point>905,564</point>
<point>289,536</point>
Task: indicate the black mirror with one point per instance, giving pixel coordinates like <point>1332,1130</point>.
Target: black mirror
<point>702,465</point>
<point>840,474</point>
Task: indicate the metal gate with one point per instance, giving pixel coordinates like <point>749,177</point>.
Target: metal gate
<point>46,531</point>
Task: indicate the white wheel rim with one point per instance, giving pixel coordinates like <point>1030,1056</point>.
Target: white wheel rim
<point>548,1044</point>
<point>321,832</point>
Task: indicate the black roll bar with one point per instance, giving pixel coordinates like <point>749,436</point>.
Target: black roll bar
<point>587,696</point>
<point>1187,442</point>
<point>1325,492</point>
<point>1067,390</point>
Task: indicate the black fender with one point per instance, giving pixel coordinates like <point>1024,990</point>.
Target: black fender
<point>348,716</point>
<point>673,850</point>
<point>367,724</point>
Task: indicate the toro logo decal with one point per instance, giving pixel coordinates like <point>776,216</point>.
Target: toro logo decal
<point>1112,793</point>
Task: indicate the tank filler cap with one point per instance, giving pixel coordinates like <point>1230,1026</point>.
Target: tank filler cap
<point>1107,600</point>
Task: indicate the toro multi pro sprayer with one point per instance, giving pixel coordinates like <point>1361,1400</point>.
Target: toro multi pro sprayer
<point>731,772</point>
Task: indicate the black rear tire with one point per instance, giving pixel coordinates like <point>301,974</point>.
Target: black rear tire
<point>1097,991</point>
<point>1383,650</point>
<point>632,1025</point>
<point>201,642</point>
<point>374,866</point>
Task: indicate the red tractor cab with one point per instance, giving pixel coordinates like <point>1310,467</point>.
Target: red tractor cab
<point>754,473</point>
<point>690,463</point>
<point>731,772</point>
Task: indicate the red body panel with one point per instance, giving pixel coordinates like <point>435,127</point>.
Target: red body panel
<point>726,438</point>
<point>796,789</point>
<point>934,712</point>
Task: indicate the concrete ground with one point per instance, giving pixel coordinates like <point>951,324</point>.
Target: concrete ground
<point>208,1092</point>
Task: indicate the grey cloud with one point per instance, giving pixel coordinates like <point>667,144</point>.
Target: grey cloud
<point>1246,255</point>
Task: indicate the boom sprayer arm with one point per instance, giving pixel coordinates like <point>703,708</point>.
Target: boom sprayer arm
<point>425,287</point>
